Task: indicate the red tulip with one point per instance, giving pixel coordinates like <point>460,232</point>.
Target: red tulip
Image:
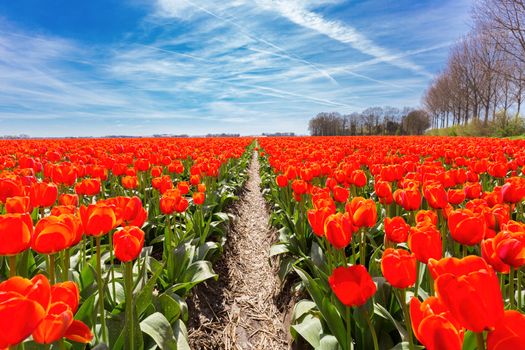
<point>299,187</point>
<point>55,233</point>
<point>338,230</point>
<point>130,182</point>
<point>340,194</point>
<point>198,198</point>
<point>15,233</point>
<point>488,252</point>
<point>510,248</point>
<point>469,288</point>
<point>68,199</point>
<point>456,197</point>
<point>18,205</point>
<point>399,267</point>
<point>436,196</point>
<point>467,227</point>
<point>43,194</point>
<point>434,326</point>
<point>363,212</point>
<point>98,219</point>
<point>128,243</point>
<point>425,241</point>
<point>509,333</point>
<point>396,229</point>
<point>88,187</point>
<point>317,219</point>
<point>23,305</point>
<point>409,199</point>
<point>281,180</point>
<point>183,187</point>
<point>352,285</point>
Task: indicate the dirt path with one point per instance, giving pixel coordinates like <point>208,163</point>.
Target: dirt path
<point>238,312</point>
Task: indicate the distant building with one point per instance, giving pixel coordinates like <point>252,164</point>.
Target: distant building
<point>279,134</point>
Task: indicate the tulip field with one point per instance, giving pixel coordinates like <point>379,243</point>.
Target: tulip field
<point>383,242</point>
<point>401,242</point>
<point>102,240</point>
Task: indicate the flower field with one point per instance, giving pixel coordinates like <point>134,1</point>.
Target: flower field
<point>384,242</point>
<point>102,240</point>
<point>401,243</point>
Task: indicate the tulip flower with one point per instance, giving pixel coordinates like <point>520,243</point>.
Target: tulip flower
<point>59,321</point>
<point>9,188</point>
<point>399,267</point>
<point>509,333</point>
<point>18,204</point>
<point>317,219</point>
<point>363,212</point>
<point>338,230</point>
<point>436,196</point>
<point>68,199</point>
<point>43,194</point>
<point>88,187</point>
<point>198,198</point>
<point>128,243</point>
<point>467,227</point>
<point>15,233</point>
<point>23,305</point>
<point>130,182</point>
<point>53,234</point>
<point>434,326</point>
<point>425,241</point>
<point>183,187</point>
<point>352,285</point>
<point>340,194</point>
<point>469,288</point>
<point>396,229</point>
<point>98,219</point>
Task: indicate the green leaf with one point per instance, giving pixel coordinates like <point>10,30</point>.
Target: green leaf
<point>279,248</point>
<point>310,329</point>
<point>329,342</point>
<point>325,306</point>
<point>169,307</point>
<point>405,346</point>
<point>143,298</point>
<point>469,342</point>
<point>381,311</point>
<point>86,311</point>
<point>181,335</point>
<point>159,329</point>
<point>301,308</point>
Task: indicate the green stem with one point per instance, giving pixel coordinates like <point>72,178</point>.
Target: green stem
<point>520,297</point>
<point>101,293</point>
<point>362,248</point>
<point>372,331</point>
<point>12,265</point>
<point>511,288</point>
<point>129,305</point>
<point>65,265</point>
<point>348,329</point>
<point>51,268</point>
<point>113,288</point>
<point>407,319</point>
<point>416,287</point>
<point>480,341</point>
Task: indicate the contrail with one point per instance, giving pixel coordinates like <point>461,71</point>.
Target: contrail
<point>290,56</point>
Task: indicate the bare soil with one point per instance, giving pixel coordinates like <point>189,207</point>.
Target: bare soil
<point>244,309</point>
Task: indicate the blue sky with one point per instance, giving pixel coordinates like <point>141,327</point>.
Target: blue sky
<point>139,67</point>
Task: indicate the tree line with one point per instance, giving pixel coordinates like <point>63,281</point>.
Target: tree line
<point>371,121</point>
<point>484,79</point>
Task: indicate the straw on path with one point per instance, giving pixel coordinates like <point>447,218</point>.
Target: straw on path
<point>238,311</point>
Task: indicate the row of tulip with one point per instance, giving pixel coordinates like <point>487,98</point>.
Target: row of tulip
<point>101,241</point>
<point>401,242</point>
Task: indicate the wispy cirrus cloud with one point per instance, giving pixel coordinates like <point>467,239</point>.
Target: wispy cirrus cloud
<point>244,65</point>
